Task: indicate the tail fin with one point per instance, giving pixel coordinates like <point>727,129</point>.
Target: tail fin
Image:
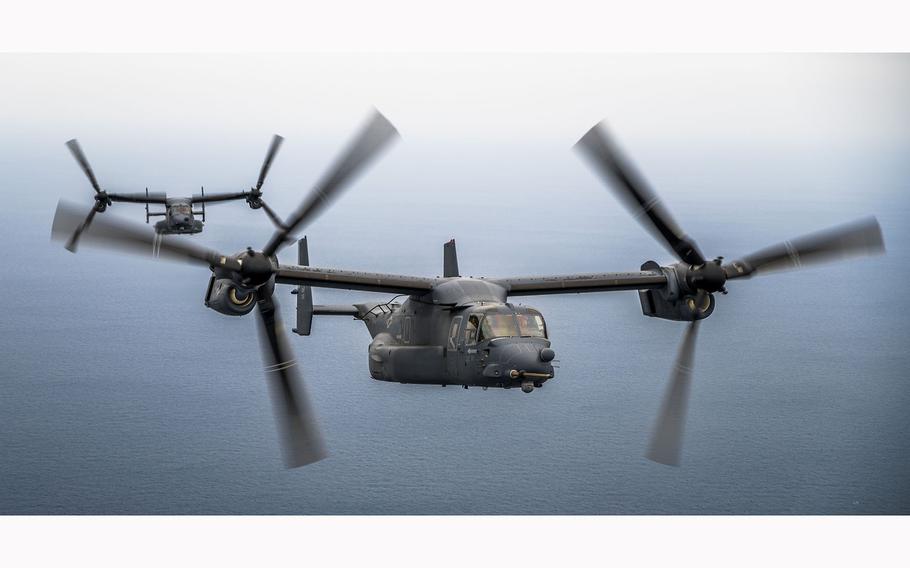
<point>449,260</point>
<point>304,294</point>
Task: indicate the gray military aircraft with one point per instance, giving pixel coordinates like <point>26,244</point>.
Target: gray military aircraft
<point>457,330</point>
<point>179,215</point>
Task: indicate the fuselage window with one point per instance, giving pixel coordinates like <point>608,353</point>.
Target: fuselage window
<point>531,325</point>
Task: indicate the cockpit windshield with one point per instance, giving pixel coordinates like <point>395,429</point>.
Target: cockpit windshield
<point>180,209</point>
<point>531,325</point>
<point>497,325</point>
<point>526,323</point>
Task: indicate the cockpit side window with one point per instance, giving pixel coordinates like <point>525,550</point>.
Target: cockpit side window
<point>470,330</point>
<point>453,333</point>
<point>497,325</point>
<point>531,325</point>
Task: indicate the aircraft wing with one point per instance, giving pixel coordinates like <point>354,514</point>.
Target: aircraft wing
<point>215,197</point>
<point>353,280</point>
<point>575,283</point>
<point>138,197</point>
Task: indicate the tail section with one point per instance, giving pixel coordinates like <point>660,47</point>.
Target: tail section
<point>305,308</point>
<point>450,260</point>
<point>304,294</point>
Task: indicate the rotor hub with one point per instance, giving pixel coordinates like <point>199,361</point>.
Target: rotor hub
<point>102,200</point>
<point>254,200</point>
<point>255,268</point>
<point>709,276</point>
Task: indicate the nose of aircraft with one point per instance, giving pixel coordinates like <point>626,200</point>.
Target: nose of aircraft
<point>522,359</point>
<point>547,354</point>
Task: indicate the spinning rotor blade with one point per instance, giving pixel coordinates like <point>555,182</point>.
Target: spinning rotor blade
<point>859,238</point>
<point>269,156</point>
<point>272,215</point>
<point>73,242</point>
<point>77,152</point>
<point>666,441</point>
<point>117,234</point>
<point>635,193</point>
<point>301,440</point>
<point>367,145</point>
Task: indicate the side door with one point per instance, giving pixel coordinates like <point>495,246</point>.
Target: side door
<point>454,347</point>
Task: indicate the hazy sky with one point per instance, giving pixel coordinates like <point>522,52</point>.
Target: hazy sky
<point>742,129</point>
<point>804,98</point>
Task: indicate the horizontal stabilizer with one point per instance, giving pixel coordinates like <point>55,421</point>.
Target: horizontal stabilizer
<point>336,310</point>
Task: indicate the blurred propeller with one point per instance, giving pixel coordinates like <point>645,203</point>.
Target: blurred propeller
<point>256,200</point>
<point>77,152</point>
<point>699,279</point>
<point>300,435</point>
<point>366,146</point>
<point>301,440</point>
<point>272,215</point>
<point>253,197</point>
<point>666,441</point>
<point>101,198</point>
<point>73,241</point>
<point>117,234</point>
<point>858,238</point>
<point>631,188</point>
<point>269,157</point>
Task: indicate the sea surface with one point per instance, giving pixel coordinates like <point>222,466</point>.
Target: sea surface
<point>121,394</point>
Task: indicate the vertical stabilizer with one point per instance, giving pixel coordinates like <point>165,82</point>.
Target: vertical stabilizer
<point>449,260</point>
<point>304,294</point>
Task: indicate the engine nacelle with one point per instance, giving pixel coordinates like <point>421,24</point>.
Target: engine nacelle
<point>678,301</point>
<point>226,297</point>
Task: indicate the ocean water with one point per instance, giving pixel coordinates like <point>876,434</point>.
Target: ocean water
<point>121,394</point>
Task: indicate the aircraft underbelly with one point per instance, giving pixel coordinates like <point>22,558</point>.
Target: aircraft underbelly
<point>163,228</point>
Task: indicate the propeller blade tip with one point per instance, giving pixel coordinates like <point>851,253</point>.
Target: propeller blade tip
<point>669,461</point>
<point>294,462</point>
<point>877,239</point>
<point>600,129</point>
<point>380,119</point>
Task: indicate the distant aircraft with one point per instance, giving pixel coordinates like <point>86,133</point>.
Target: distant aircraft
<point>179,215</point>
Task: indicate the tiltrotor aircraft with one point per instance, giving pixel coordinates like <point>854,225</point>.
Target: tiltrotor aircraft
<point>456,330</point>
<point>179,215</point>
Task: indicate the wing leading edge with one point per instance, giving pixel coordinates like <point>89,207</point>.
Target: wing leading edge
<point>216,197</point>
<point>353,280</point>
<point>576,283</point>
<point>418,285</point>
